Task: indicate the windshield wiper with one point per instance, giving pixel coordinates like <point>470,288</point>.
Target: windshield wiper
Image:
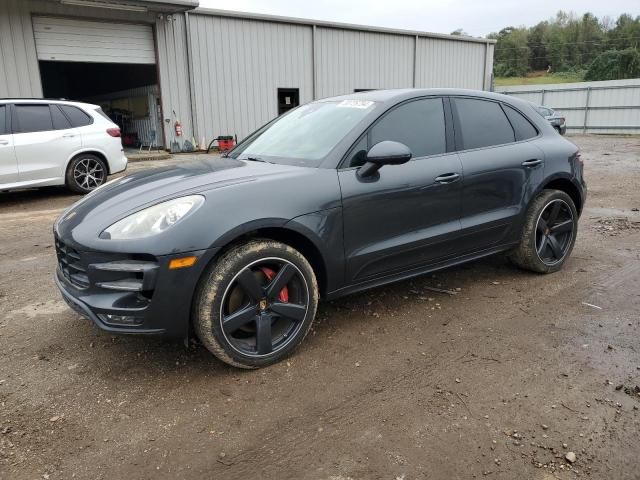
<point>257,159</point>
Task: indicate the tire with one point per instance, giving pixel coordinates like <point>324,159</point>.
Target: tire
<point>231,315</point>
<point>544,248</point>
<point>85,173</point>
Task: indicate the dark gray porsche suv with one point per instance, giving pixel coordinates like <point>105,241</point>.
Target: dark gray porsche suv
<point>334,197</point>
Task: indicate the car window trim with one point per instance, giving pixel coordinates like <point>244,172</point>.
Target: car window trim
<point>70,127</point>
<point>367,132</point>
<point>504,105</point>
<point>7,122</point>
<point>458,135</point>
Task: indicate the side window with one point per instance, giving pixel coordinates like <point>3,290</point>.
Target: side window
<point>521,126</point>
<point>33,118</point>
<point>482,123</point>
<point>3,120</point>
<point>358,153</point>
<point>76,116</point>
<point>60,122</point>
<point>418,124</point>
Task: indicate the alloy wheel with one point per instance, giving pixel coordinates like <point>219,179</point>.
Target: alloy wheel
<point>554,232</point>
<point>264,306</point>
<point>88,173</point>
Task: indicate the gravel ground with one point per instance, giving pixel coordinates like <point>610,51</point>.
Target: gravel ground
<point>501,380</point>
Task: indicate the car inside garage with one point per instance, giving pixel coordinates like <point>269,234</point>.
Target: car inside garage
<point>111,64</point>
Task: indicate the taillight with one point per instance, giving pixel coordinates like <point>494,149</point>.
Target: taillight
<point>114,132</point>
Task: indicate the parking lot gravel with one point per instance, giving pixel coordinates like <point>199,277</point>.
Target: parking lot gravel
<point>509,375</point>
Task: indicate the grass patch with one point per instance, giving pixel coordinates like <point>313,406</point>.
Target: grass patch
<point>538,79</point>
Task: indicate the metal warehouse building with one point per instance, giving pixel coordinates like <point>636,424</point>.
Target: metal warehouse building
<point>152,63</point>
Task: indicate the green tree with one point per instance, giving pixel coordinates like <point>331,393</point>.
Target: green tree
<point>568,42</point>
<point>511,52</point>
<point>614,65</point>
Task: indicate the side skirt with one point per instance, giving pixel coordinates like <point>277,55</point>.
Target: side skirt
<point>416,272</point>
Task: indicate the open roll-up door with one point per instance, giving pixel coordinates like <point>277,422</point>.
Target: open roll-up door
<point>71,40</point>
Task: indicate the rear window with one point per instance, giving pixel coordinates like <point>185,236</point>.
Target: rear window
<point>521,126</point>
<point>60,122</point>
<point>3,120</point>
<point>482,123</point>
<point>77,117</point>
<point>33,118</point>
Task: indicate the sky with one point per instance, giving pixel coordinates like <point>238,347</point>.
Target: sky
<point>476,17</point>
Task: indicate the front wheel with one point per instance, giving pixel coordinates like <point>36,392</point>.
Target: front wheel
<point>549,233</point>
<point>256,303</point>
<point>86,172</point>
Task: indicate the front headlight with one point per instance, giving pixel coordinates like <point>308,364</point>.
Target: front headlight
<point>153,220</point>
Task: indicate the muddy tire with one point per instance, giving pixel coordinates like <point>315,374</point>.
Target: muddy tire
<point>85,173</point>
<point>256,303</point>
<point>549,233</point>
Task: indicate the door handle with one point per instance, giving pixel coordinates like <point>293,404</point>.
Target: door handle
<point>534,162</point>
<point>447,178</point>
<point>4,142</point>
<point>68,135</point>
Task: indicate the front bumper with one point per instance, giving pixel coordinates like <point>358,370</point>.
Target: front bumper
<point>124,293</point>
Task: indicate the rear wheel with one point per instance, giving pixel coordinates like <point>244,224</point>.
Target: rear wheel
<point>86,172</point>
<point>549,233</point>
<point>256,304</point>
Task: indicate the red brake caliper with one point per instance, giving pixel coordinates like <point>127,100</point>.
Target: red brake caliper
<point>283,296</point>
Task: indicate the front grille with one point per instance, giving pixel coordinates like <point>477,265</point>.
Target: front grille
<point>71,266</point>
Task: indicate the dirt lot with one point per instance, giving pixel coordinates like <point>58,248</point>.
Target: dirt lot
<point>501,380</point>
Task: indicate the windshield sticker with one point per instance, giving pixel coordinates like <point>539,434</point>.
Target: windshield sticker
<point>355,104</point>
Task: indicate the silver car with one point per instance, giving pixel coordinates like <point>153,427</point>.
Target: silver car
<point>556,120</point>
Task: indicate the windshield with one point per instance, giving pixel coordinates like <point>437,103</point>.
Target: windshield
<point>305,135</point>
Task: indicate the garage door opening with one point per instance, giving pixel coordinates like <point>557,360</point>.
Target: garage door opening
<point>109,64</point>
<point>127,93</point>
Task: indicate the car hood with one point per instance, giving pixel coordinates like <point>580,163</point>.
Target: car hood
<point>126,195</point>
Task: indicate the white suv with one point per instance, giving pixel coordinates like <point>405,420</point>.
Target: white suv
<point>48,142</point>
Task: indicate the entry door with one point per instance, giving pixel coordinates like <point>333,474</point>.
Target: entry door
<point>408,215</point>
<point>42,148</point>
<point>8,164</point>
<point>501,172</point>
<point>288,98</point>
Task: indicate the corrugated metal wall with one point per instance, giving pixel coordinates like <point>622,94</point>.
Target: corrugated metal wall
<point>19,73</point>
<point>173,66</point>
<point>445,63</point>
<point>589,107</point>
<point>349,60</point>
<point>238,65</point>
<point>222,77</point>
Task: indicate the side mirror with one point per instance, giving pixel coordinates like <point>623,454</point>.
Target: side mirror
<point>384,153</point>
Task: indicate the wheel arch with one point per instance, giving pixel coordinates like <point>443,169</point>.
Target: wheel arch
<point>289,236</point>
<point>91,151</point>
<point>567,186</point>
